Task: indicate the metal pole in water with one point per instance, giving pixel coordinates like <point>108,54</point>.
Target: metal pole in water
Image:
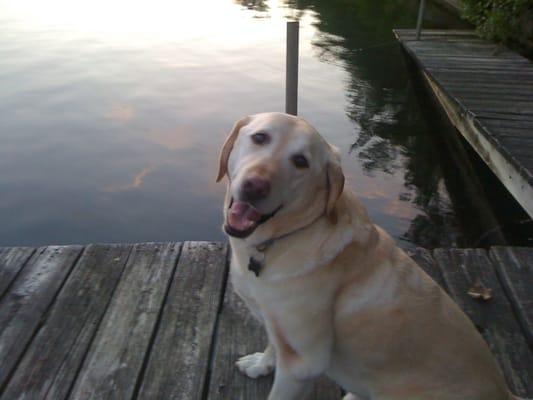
<point>291,77</point>
<point>421,9</point>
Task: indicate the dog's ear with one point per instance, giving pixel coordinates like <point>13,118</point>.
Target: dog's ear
<point>335,179</point>
<point>228,146</point>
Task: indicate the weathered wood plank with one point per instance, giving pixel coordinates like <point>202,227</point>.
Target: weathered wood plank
<point>444,53</point>
<point>434,60</point>
<point>431,42</point>
<point>115,358</point>
<point>511,82</point>
<point>239,333</point>
<point>48,367</point>
<point>458,44</point>
<point>526,163</point>
<point>425,260</point>
<point>449,78</point>
<point>482,80</point>
<point>445,49</point>
<point>526,119</point>
<point>494,318</point>
<point>515,269</point>
<point>518,146</point>
<point>500,124</point>
<point>501,74</point>
<point>481,93</point>
<point>500,68</point>
<point>484,84</point>
<point>23,307</point>
<point>12,260</point>
<point>475,60</point>
<point>429,38</point>
<point>516,134</point>
<point>178,364</point>
<point>481,77</point>
<point>514,107</point>
<point>454,44</point>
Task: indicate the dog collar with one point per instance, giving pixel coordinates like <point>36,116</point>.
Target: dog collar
<point>257,259</point>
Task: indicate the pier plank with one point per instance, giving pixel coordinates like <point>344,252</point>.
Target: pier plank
<point>48,367</point>
<point>516,75</point>
<point>462,268</point>
<point>238,334</point>
<point>426,261</point>
<point>481,78</point>
<point>115,358</point>
<point>12,260</point>
<point>23,308</point>
<point>480,84</point>
<point>483,92</point>
<point>500,126</point>
<point>515,269</point>
<point>502,116</point>
<point>519,146</point>
<point>518,108</point>
<point>178,364</point>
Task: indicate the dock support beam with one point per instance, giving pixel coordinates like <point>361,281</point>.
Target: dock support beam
<point>291,78</point>
<point>421,10</point>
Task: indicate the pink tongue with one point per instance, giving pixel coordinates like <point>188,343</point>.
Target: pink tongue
<point>242,216</point>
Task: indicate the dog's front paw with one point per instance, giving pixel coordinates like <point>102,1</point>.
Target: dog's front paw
<point>256,365</point>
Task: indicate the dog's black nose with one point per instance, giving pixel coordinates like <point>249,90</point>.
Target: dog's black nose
<point>255,188</point>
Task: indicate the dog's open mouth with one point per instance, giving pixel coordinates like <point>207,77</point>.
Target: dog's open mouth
<point>243,218</point>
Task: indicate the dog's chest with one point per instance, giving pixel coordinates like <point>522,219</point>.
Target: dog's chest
<point>270,292</point>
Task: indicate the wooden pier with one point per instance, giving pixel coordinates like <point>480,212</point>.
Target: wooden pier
<point>487,93</point>
<point>159,320</point>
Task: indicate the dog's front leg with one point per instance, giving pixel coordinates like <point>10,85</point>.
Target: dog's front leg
<point>295,372</point>
<point>288,387</point>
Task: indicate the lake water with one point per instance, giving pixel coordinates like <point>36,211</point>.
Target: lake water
<point>112,113</point>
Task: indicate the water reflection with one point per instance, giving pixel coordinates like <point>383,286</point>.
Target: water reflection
<point>136,183</point>
<point>392,134</point>
<point>111,121</point>
<point>399,132</point>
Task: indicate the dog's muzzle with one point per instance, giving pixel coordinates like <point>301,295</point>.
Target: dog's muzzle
<point>243,218</point>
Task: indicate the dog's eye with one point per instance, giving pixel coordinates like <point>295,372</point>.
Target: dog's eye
<point>260,138</point>
<point>300,161</point>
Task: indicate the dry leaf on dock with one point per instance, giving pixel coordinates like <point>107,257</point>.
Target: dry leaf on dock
<point>480,291</point>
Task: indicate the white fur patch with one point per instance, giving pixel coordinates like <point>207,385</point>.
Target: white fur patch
<point>256,365</point>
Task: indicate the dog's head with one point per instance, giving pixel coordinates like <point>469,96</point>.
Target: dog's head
<point>282,174</point>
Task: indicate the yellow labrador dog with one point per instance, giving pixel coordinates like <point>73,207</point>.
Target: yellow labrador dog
<point>335,294</point>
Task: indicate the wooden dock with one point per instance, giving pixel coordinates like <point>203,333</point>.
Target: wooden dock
<point>487,92</point>
<point>159,321</point>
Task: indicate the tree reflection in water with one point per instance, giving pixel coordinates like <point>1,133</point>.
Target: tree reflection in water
<point>398,130</point>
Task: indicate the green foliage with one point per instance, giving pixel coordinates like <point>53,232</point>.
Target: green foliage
<point>498,20</point>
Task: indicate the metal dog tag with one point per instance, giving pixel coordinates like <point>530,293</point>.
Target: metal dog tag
<point>257,259</point>
<point>255,266</point>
